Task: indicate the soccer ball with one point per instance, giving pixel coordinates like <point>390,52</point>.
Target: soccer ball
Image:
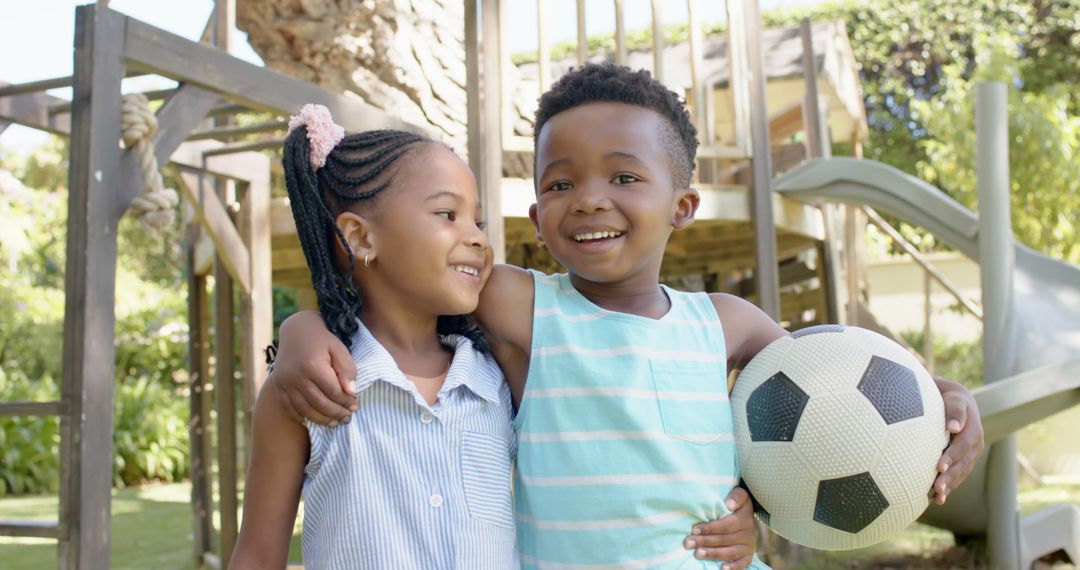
<point>839,431</point>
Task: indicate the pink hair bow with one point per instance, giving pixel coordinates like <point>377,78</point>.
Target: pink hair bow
<point>323,135</point>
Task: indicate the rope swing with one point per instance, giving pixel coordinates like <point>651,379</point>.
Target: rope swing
<point>155,207</point>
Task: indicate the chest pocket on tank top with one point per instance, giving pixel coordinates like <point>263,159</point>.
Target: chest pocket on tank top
<point>692,401</point>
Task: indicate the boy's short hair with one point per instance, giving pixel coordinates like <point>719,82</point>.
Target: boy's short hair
<point>606,82</point>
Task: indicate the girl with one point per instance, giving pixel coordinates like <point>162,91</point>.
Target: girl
<point>420,476</point>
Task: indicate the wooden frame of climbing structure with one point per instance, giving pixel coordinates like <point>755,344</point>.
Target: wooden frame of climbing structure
<point>103,181</point>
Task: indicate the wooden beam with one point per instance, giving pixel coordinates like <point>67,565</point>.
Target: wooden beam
<point>32,110</point>
<point>94,210</point>
<point>817,136</point>
<point>40,85</point>
<point>766,270</point>
<point>176,119</point>
<point>156,51</point>
<point>787,123</point>
<point>225,363</point>
<point>199,190</point>
<point>200,400</point>
<point>257,304</point>
<point>34,408</point>
<point>36,529</point>
<point>484,105</point>
<point>226,133</point>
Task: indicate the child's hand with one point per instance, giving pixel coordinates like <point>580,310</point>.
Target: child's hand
<point>730,538</point>
<point>964,423</point>
<point>313,372</point>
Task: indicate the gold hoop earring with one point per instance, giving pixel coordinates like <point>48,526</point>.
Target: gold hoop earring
<point>366,261</point>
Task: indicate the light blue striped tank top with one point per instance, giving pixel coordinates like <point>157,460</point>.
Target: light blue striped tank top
<point>624,432</point>
<point>409,485</point>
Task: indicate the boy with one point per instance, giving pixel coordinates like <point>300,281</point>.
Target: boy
<point>624,428</point>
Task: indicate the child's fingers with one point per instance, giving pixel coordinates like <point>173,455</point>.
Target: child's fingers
<point>736,499</point>
<point>735,554</point>
<point>739,538</point>
<point>306,411</point>
<point>721,526</point>
<point>314,394</point>
<point>955,414</point>
<point>343,364</point>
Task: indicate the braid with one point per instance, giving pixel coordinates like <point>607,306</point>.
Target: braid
<point>355,171</point>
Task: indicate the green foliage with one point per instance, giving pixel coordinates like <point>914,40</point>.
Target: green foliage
<point>151,334</point>
<point>29,446</point>
<point>1044,149</point>
<point>151,438</point>
<point>957,361</point>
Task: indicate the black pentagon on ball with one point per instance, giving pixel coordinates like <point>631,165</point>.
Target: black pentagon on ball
<point>817,329</point>
<point>893,390</point>
<point>774,408</point>
<point>849,503</point>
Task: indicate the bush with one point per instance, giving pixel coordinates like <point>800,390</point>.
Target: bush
<point>150,437</point>
<point>29,446</point>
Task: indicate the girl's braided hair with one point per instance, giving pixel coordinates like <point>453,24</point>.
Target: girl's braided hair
<point>356,170</point>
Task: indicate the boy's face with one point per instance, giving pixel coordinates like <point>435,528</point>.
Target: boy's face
<point>605,204</point>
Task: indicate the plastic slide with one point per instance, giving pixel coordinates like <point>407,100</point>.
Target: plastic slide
<point>1043,332</point>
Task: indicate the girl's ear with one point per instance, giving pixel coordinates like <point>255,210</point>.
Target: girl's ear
<point>687,201</point>
<point>536,223</point>
<point>359,234</point>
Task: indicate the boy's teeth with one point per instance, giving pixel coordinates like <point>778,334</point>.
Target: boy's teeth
<point>596,235</point>
<point>467,269</point>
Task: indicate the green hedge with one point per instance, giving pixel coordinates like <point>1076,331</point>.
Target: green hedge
<point>150,436</point>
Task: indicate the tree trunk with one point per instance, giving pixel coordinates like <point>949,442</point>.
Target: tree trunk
<point>406,57</point>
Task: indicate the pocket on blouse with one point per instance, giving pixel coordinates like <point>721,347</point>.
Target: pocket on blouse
<point>693,403</point>
<point>485,476</point>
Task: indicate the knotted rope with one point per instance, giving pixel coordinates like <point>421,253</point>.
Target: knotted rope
<point>155,207</point>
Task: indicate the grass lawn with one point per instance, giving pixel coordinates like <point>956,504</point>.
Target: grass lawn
<point>152,528</point>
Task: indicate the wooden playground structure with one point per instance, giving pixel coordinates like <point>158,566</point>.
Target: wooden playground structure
<point>798,262</point>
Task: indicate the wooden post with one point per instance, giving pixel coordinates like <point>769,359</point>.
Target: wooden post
<point>657,42</point>
<point>766,271</point>
<point>257,319</point>
<point>582,37</point>
<point>818,145</point>
<point>484,104</point>
<point>620,34</point>
<point>200,400</point>
<point>94,210</point>
<point>225,364</point>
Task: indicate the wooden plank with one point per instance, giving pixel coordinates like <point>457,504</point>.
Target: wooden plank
<point>582,38</point>
<point>225,362</point>
<point>198,189</point>
<point>227,133</point>
<point>176,119</point>
<point>620,33</point>
<point>257,307</point>
<point>786,123</point>
<point>36,529</point>
<point>32,110</point>
<point>9,89</point>
<point>543,59</point>
<point>94,210</point>
<point>766,270</point>
<point>817,137</point>
<point>657,42</point>
<point>200,398</point>
<point>484,106</point>
<point>157,51</point>
<point>17,408</point>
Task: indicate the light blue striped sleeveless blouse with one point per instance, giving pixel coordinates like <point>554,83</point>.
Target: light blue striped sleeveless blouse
<point>624,432</point>
<point>408,485</point>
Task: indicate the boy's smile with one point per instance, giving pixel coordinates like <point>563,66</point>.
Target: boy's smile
<point>605,198</point>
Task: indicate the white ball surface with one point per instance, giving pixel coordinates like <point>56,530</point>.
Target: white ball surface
<point>839,431</point>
